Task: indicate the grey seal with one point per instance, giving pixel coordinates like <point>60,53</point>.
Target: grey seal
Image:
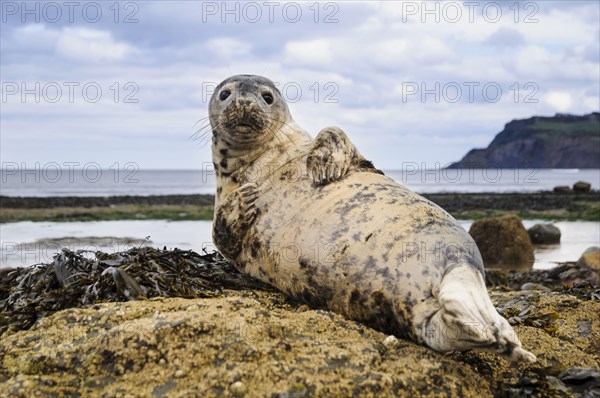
<point>318,221</point>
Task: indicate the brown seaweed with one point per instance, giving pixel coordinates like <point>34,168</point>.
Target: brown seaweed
<point>78,278</point>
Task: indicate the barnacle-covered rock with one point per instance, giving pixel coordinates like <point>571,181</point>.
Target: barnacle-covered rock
<point>253,341</point>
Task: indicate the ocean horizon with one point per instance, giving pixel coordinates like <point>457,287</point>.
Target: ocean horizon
<point>54,181</point>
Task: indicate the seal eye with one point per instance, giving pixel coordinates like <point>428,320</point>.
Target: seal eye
<point>268,98</point>
<point>224,94</point>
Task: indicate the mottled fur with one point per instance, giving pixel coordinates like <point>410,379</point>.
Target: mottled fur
<point>318,221</point>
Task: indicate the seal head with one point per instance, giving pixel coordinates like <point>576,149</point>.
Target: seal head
<point>247,110</point>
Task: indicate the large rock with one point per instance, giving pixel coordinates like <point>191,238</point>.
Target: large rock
<point>590,258</point>
<point>503,242</point>
<point>544,234</point>
<point>563,189</point>
<point>582,186</point>
<point>256,344</point>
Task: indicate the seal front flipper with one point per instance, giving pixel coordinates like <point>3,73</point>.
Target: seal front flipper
<point>247,195</point>
<point>233,218</point>
<point>331,156</point>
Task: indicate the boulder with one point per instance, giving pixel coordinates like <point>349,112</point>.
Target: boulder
<point>590,258</point>
<point>544,234</point>
<point>582,186</point>
<point>258,344</point>
<point>562,189</point>
<point>254,341</point>
<point>503,242</point>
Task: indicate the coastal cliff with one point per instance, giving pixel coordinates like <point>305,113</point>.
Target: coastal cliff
<point>561,141</point>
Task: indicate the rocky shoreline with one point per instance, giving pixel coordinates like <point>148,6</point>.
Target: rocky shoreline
<point>32,202</point>
<point>539,205</point>
<point>218,333</point>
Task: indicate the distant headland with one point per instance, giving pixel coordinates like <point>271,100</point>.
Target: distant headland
<point>557,142</point>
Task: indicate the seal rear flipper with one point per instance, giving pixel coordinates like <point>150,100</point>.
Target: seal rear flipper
<point>461,316</point>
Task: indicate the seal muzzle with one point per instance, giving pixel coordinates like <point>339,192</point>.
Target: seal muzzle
<point>244,116</point>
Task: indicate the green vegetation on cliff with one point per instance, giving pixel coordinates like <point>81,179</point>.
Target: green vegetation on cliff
<point>561,141</point>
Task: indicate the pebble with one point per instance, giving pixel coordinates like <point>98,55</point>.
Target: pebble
<point>179,374</point>
<point>158,315</point>
<point>237,388</point>
<point>390,341</point>
<point>535,286</point>
<point>557,385</point>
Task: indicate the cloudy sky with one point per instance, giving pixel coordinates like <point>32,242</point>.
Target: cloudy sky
<point>408,82</point>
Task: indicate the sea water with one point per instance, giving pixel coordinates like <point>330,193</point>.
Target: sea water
<point>56,181</point>
<point>27,243</point>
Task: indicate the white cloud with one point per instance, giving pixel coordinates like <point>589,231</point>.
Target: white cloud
<point>506,37</point>
<point>35,36</point>
<point>227,48</point>
<point>559,28</point>
<point>534,61</point>
<point>538,63</point>
<point>386,53</point>
<point>592,104</point>
<point>88,45</point>
<point>311,52</point>
<point>559,100</point>
<point>367,55</point>
<point>432,49</point>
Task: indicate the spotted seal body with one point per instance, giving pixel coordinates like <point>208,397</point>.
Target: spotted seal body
<point>316,220</point>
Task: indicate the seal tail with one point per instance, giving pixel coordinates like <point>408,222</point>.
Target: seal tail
<point>461,316</point>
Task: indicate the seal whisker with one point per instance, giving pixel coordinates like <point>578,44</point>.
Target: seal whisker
<point>203,119</point>
<point>204,133</point>
<point>275,129</point>
<point>202,136</point>
<point>272,131</point>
